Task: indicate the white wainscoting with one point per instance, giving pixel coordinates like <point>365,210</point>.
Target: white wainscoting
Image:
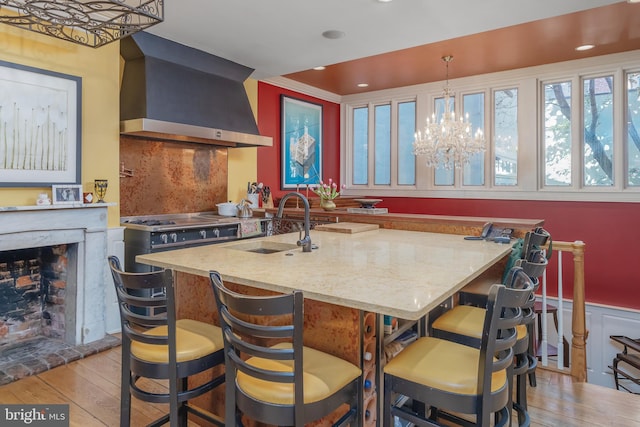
<point>602,321</point>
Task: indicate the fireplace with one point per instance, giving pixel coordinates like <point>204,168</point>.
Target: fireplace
<point>74,235</point>
<point>33,286</point>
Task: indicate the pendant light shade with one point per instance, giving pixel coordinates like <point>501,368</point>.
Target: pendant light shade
<point>91,23</point>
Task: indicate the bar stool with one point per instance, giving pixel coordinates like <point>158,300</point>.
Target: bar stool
<point>157,346</point>
<point>463,324</point>
<point>453,378</point>
<point>272,377</point>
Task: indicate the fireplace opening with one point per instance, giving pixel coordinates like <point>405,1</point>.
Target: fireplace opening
<point>33,289</point>
<point>37,305</point>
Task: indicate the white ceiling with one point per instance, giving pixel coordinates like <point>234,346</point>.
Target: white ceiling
<point>277,37</point>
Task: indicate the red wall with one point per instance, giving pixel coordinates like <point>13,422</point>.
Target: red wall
<point>609,230</point>
<point>269,158</point>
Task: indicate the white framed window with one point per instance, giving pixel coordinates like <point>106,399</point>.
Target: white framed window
<point>598,131</point>
<point>567,131</point>
<point>406,131</point>
<point>505,136</point>
<point>473,105</point>
<point>632,128</point>
<point>360,146</point>
<point>382,149</point>
<point>556,115</point>
<point>382,144</point>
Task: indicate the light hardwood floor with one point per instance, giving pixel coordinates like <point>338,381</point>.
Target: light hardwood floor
<point>91,387</point>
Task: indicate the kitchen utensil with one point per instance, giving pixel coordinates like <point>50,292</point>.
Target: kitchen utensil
<point>266,192</point>
<point>244,209</point>
<point>227,209</point>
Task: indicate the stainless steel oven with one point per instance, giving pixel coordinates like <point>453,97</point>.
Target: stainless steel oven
<point>156,233</point>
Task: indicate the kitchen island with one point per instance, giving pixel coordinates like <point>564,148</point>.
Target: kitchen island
<point>349,282</point>
<point>394,272</point>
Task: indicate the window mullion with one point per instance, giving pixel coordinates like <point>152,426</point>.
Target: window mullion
<point>371,158</point>
<point>620,151</point>
<point>394,144</point>
<point>577,132</point>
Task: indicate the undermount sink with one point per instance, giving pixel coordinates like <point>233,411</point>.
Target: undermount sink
<point>262,247</point>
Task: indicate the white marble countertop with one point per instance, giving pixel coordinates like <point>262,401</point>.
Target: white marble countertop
<point>400,273</point>
<point>55,206</point>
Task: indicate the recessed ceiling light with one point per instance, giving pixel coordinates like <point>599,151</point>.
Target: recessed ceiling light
<point>388,1</point>
<point>363,84</point>
<point>320,68</point>
<point>585,47</point>
<point>333,34</point>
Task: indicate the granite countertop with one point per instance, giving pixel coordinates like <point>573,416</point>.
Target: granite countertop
<point>395,272</point>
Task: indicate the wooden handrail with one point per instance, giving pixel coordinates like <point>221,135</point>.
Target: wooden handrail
<point>578,317</point>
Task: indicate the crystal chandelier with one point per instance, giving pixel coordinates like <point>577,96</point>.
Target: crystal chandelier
<point>449,142</point>
<point>87,22</point>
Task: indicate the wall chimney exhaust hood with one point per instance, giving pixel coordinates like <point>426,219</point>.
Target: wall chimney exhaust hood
<point>173,92</point>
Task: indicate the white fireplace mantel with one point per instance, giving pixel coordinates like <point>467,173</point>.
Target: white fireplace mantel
<point>23,227</point>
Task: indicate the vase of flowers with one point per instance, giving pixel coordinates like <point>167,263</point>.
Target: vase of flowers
<point>327,193</point>
<point>327,204</point>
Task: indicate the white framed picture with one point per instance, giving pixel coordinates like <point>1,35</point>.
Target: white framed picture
<point>66,194</point>
<point>40,117</point>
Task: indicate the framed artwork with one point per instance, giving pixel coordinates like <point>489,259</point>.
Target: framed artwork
<point>66,194</point>
<point>40,123</point>
<point>301,142</point>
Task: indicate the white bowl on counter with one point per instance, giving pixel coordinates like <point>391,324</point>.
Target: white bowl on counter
<point>227,209</point>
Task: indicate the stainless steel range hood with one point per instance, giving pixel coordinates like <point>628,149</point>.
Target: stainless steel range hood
<point>172,92</point>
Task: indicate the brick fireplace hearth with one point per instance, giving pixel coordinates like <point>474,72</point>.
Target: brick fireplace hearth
<point>36,355</point>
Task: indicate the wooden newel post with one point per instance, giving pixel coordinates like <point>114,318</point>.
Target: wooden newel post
<point>578,328</point>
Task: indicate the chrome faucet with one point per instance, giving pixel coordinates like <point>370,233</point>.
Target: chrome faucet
<point>306,241</point>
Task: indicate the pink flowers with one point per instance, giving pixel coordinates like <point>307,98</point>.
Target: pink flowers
<point>327,191</point>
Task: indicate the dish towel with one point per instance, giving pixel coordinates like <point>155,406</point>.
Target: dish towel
<point>249,228</point>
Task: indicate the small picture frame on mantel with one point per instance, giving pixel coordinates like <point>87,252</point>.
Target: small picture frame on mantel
<point>66,194</point>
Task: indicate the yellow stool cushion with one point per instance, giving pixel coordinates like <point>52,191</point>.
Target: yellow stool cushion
<point>468,321</point>
<point>522,332</point>
<point>443,365</point>
<point>463,319</point>
<point>324,374</point>
<point>194,339</point>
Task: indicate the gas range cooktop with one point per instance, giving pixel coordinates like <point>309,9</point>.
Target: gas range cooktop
<point>173,221</point>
